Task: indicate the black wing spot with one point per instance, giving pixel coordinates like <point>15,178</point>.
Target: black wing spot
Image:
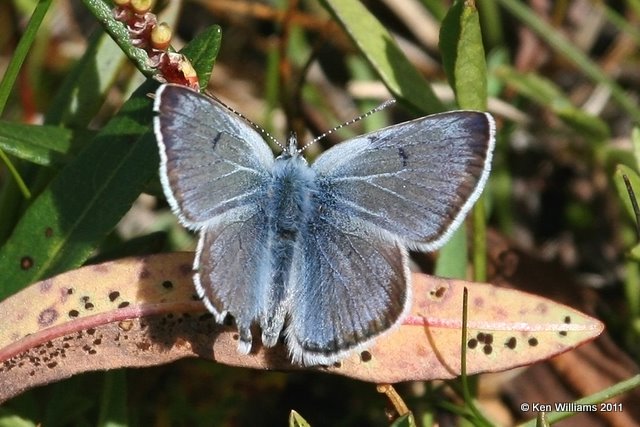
<point>403,156</point>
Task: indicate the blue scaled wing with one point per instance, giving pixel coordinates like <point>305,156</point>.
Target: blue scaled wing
<point>215,171</point>
<point>345,290</point>
<point>406,186</point>
<point>212,161</point>
<point>413,182</point>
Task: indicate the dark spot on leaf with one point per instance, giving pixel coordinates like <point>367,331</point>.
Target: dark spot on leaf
<point>47,316</point>
<point>533,342</point>
<point>88,306</point>
<point>167,284</point>
<point>26,262</point>
<point>337,365</point>
<point>113,296</point>
<point>487,349</point>
<point>236,337</point>
<point>480,337</point>
<point>144,346</point>
<point>567,319</point>
<point>472,343</point>
<point>439,293</point>
<point>488,339</point>
<point>563,333</point>
<point>74,313</point>
<point>91,331</point>
<point>69,291</point>
<point>52,365</point>
<point>366,356</point>
<point>123,304</point>
<point>511,343</point>
<point>97,341</point>
<point>48,232</point>
<point>45,285</point>
<point>85,299</point>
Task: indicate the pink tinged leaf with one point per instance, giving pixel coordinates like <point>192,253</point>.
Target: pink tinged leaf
<point>143,311</point>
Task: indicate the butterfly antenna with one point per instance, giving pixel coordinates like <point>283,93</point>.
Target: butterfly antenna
<point>256,126</point>
<point>380,107</point>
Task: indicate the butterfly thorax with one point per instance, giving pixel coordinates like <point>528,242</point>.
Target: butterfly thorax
<point>290,198</point>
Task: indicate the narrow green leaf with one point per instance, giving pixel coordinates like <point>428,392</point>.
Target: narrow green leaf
<point>548,95</point>
<point>635,141</point>
<point>621,188</point>
<point>42,145</point>
<point>452,257</point>
<point>85,200</point>
<point>405,420</point>
<point>463,56</point>
<point>113,404</point>
<point>202,52</point>
<point>19,55</point>
<point>85,88</point>
<point>560,44</point>
<point>377,45</point>
<point>296,420</point>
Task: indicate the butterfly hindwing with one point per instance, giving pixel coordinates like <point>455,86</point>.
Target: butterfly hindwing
<point>345,289</point>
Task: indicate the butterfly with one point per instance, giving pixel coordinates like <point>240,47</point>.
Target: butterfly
<point>315,253</point>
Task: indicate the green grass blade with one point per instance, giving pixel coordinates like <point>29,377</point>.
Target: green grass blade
<point>11,74</point>
<point>42,145</point>
<point>85,201</point>
<point>560,44</point>
<point>377,45</point>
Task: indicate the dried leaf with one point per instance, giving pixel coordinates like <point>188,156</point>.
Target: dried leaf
<point>144,311</point>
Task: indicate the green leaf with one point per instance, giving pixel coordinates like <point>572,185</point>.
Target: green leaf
<point>623,193</point>
<point>296,420</point>
<point>20,53</point>
<point>559,43</point>
<point>85,200</point>
<point>463,56</point>
<point>85,89</point>
<point>548,95</point>
<point>380,49</point>
<point>202,52</point>
<point>405,420</point>
<point>452,258</point>
<point>42,145</point>
<point>113,404</point>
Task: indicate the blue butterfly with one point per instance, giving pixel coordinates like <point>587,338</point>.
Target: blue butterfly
<point>317,252</point>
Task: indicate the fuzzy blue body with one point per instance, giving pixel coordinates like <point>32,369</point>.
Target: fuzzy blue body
<point>288,204</point>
